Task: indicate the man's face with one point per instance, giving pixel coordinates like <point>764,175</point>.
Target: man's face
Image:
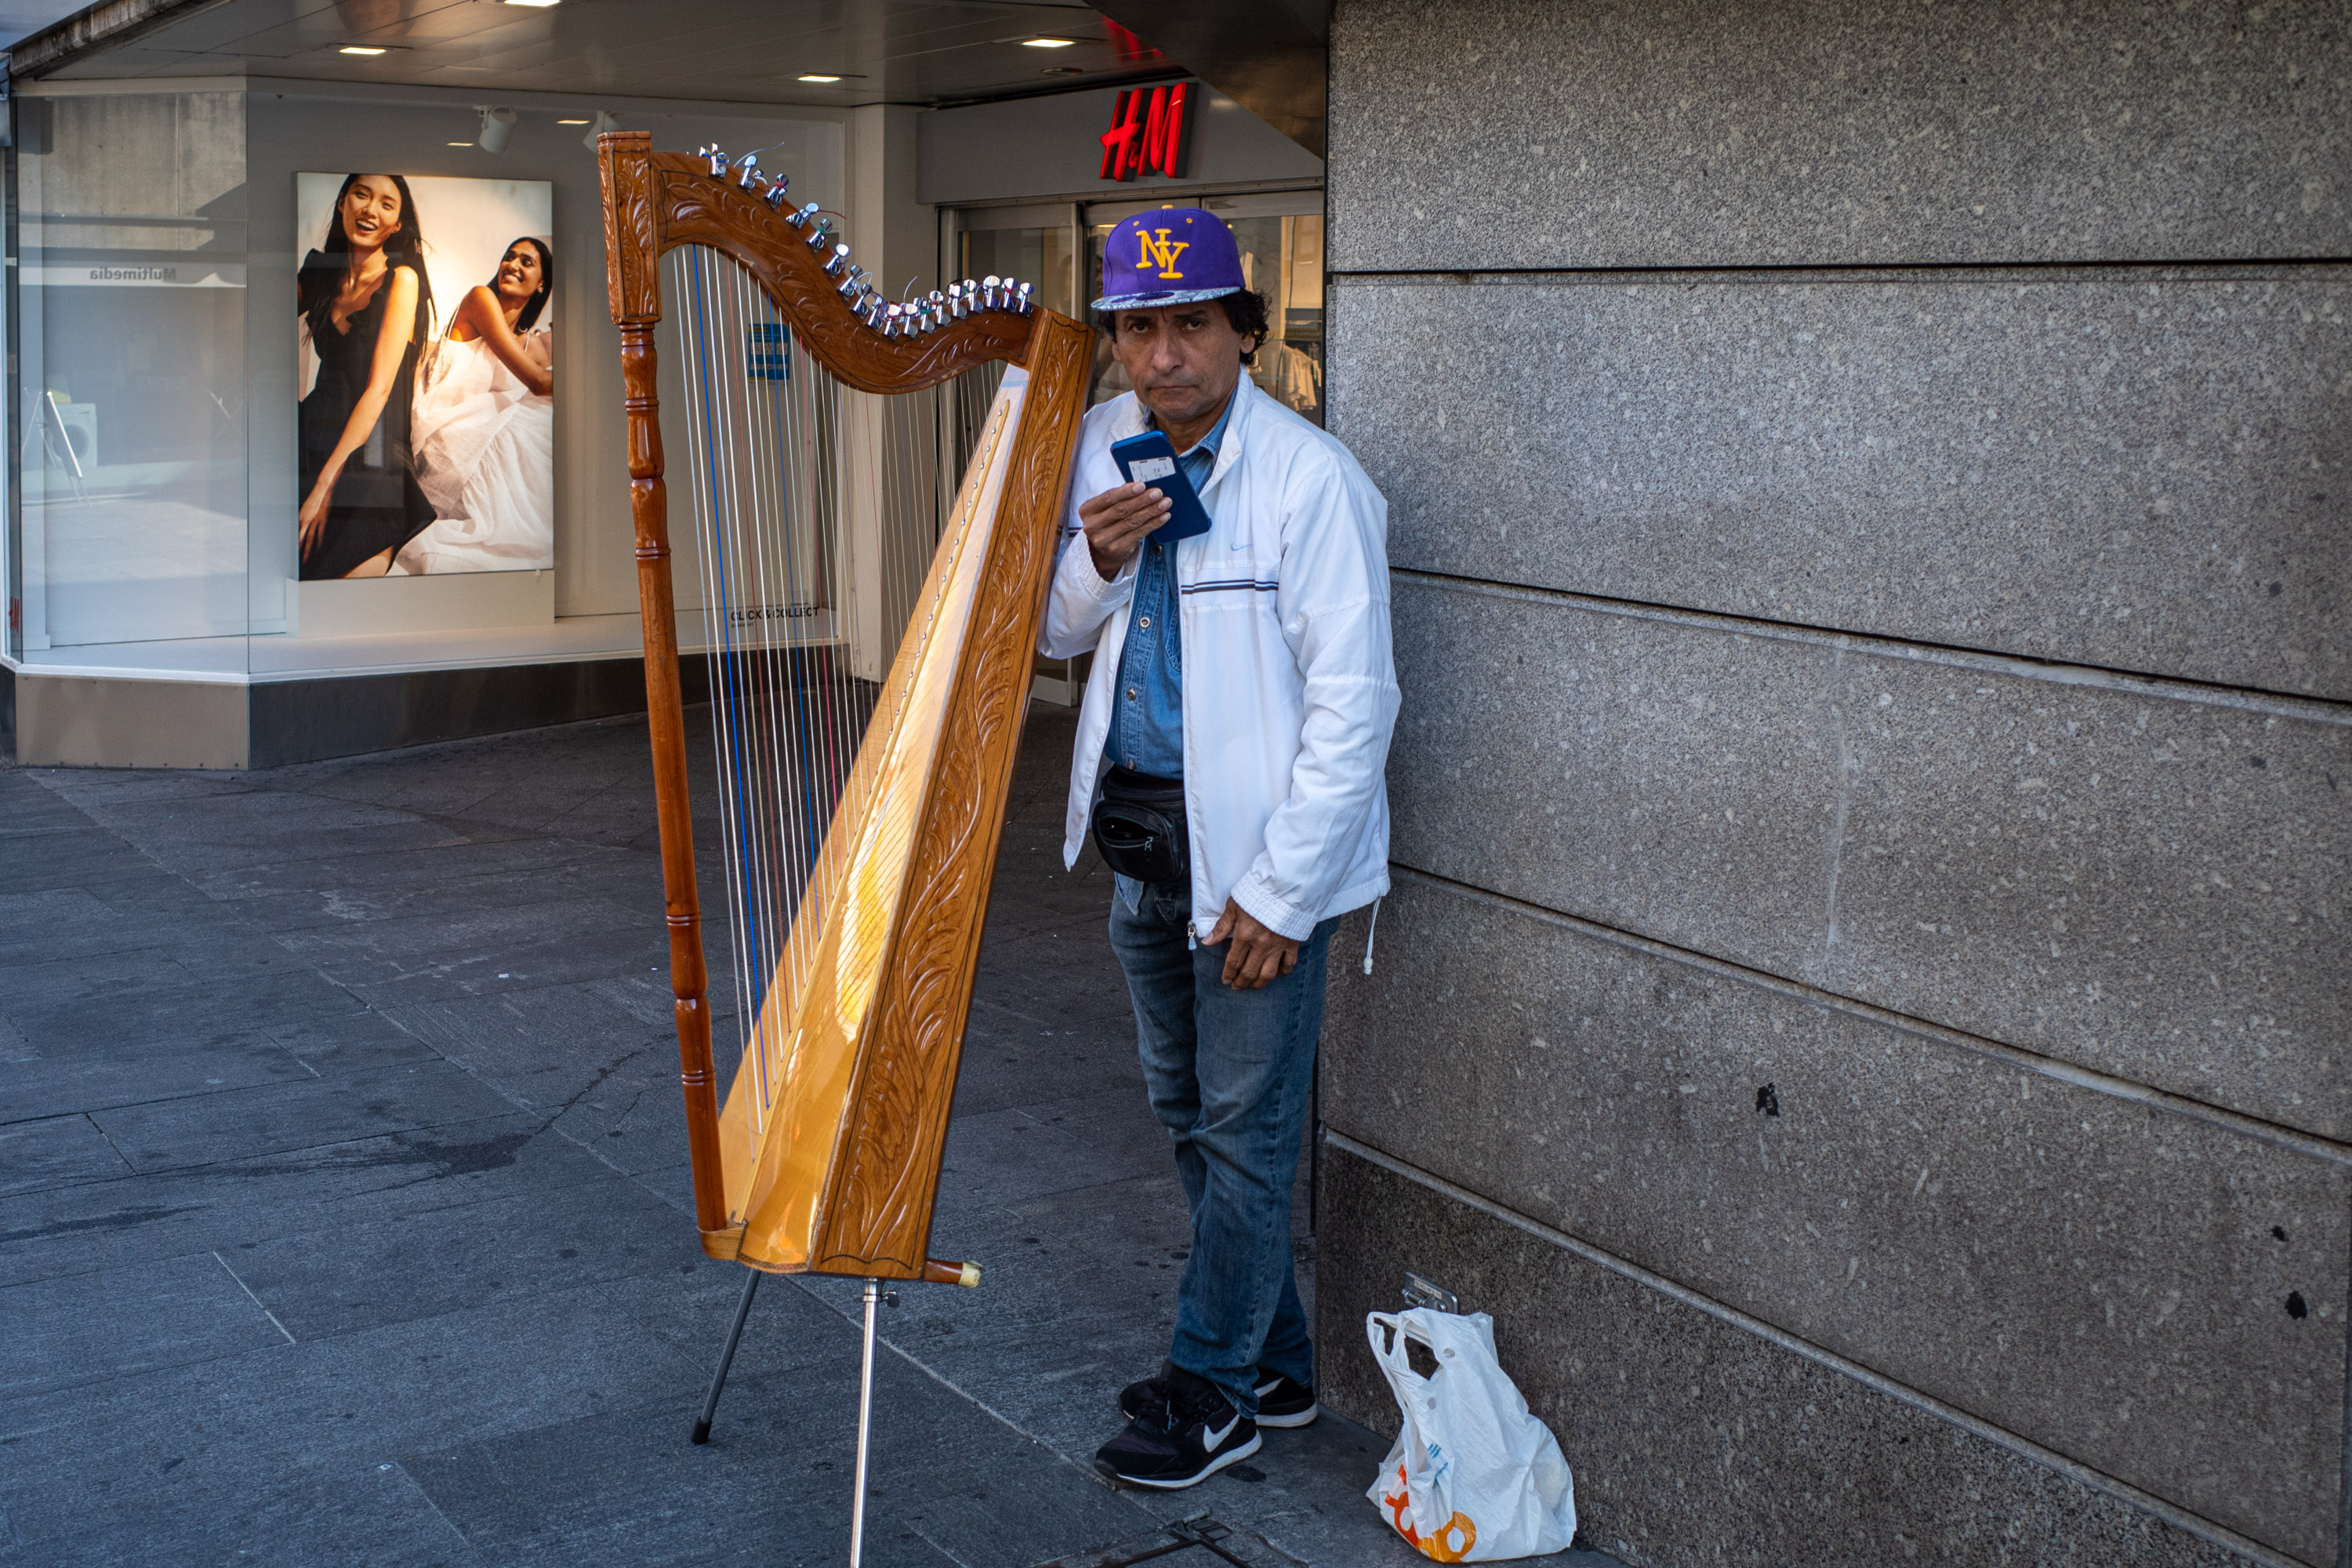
<point>1183,359</point>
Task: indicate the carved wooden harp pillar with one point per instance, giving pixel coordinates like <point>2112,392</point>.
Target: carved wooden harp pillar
<point>860,802</point>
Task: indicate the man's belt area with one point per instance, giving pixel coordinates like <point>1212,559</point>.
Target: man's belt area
<point>1139,826</point>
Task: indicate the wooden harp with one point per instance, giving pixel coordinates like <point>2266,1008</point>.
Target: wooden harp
<point>860,794</point>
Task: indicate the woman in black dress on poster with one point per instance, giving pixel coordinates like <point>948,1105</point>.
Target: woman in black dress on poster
<point>368,306</point>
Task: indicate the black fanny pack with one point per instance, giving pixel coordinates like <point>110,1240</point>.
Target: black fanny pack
<point>1139,826</point>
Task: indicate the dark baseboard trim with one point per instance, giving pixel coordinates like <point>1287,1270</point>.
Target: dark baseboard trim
<point>97,721</point>
<point>309,721</point>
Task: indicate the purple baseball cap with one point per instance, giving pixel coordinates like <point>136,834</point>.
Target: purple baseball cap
<point>1170,256</point>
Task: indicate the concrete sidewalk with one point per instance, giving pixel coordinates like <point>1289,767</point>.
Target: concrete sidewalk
<point>342,1195</point>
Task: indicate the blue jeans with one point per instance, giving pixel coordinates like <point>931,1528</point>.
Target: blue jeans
<point>1228,1072</point>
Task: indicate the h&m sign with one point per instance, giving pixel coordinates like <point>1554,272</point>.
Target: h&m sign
<point>1147,134</point>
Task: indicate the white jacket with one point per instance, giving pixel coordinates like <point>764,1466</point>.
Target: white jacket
<point>1289,689</point>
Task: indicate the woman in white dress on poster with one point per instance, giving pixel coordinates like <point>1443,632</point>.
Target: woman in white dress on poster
<point>484,430</point>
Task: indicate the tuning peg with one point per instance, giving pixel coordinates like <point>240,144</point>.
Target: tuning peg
<point>1021,300</point>
<point>800,216</point>
<point>747,171</point>
<point>718,159</point>
<point>988,291</point>
<point>774,194</point>
<point>958,306</point>
<point>837,262</point>
<point>869,310</point>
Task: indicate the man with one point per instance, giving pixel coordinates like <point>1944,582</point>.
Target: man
<point>1229,762</point>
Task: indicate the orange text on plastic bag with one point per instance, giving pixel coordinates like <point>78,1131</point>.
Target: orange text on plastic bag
<point>1452,1542</point>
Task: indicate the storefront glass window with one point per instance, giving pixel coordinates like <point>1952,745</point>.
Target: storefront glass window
<point>1034,253</point>
<point>129,539</point>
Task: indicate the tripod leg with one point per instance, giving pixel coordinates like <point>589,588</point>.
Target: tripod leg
<point>865,1427</point>
<point>727,1356</point>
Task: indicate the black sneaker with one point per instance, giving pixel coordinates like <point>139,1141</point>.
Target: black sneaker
<point>1199,1435</point>
<point>1286,1401</point>
<point>1282,1401</point>
<point>1147,1400</point>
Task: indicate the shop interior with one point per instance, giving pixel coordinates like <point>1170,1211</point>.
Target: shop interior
<point>153,470</point>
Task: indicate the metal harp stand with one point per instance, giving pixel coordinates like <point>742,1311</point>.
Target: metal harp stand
<point>874,1298</point>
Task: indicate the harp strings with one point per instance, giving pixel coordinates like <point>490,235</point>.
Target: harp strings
<point>816,512</point>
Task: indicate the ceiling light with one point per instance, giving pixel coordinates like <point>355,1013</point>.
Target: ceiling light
<point>1047,43</point>
<point>540,5</point>
<point>461,143</point>
<point>1062,70</point>
<point>358,49</point>
<point>572,123</point>
<point>814,76</point>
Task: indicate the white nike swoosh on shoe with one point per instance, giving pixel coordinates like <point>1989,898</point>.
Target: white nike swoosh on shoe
<point>1234,1455</point>
<point>1211,1438</point>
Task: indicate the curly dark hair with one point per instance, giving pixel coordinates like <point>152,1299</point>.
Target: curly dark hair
<point>1247,311</point>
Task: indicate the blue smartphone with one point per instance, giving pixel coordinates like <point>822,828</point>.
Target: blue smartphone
<point>1150,459</point>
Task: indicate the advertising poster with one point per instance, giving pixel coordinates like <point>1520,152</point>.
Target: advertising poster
<point>426,374</point>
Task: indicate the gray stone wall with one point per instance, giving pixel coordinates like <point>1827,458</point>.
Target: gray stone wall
<point>1865,1002</point>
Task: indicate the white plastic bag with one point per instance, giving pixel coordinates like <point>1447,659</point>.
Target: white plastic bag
<point>1472,1477</point>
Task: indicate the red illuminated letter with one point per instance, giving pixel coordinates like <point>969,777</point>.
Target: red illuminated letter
<point>1119,149</point>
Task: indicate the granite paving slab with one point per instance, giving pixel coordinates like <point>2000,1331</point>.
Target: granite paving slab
<point>359,883</point>
<point>70,857</point>
<point>192,1439</point>
<point>1013,1059</point>
<point>345,1512</point>
<point>459,1187</point>
<point>116,1323</point>
<point>277,1118</point>
<point>429,957</point>
<point>264,827</point>
<point>356,1275</point>
<point>40,928</point>
<point>122,1218</point>
<point>56,1151</point>
<point>138,1072</point>
<point>349,1041</point>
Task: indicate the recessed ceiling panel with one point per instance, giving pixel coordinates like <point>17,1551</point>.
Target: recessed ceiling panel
<point>885,51</point>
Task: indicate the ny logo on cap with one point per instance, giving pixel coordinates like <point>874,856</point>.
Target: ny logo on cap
<point>1155,250</point>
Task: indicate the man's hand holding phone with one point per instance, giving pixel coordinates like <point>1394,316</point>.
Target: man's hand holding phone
<point>1118,522</point>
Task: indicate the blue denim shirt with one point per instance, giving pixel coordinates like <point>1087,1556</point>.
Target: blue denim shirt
<point>1147,716</point>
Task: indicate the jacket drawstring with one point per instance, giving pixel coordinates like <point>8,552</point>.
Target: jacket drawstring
<point>1370,932</point>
